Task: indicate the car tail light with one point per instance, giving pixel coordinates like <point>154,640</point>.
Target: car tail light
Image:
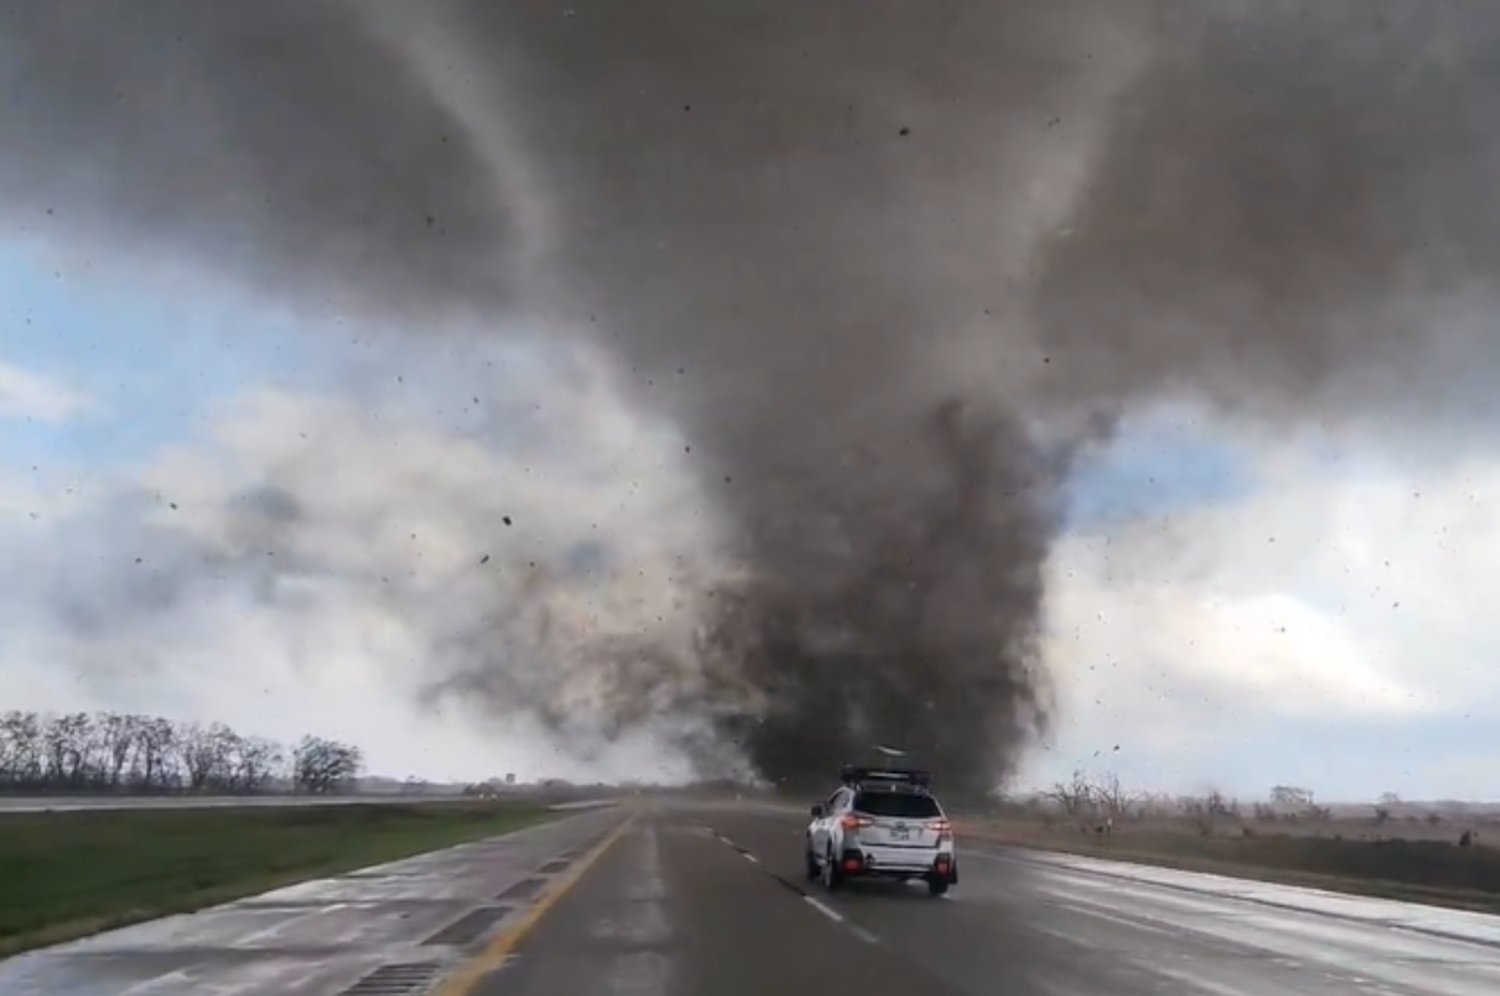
<point>852,822</point>
<point>942,828</point>
<point>851,864</point>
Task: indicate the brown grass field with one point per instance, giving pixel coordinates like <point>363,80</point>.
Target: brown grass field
<point>1411,858</point>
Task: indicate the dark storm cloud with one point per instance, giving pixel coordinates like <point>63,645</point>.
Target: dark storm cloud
<point>278,141</point>
<point>1289,214</point>
<point>867,255</point>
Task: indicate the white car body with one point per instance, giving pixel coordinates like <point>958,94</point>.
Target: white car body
<point>877,825</point>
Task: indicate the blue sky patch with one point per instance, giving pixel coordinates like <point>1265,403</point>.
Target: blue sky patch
<point>1159,463</point>
<point>157,354</point>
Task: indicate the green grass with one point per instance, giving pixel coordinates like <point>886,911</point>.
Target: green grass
<point>1433,872</point>
<point>68,874</point>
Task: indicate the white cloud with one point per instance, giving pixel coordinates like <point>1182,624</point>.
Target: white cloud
<point>1361,596</point>
<point>30,395</point>
<point>325,553</point>
<point>313,563</point>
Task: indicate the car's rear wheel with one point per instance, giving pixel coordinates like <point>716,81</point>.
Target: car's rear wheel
<point>832,877</point>
<point>937,886</point>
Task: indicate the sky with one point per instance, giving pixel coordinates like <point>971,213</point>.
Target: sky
<point>1226,609</point>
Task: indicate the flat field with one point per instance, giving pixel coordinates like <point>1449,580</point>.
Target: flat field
<point>69,874</point>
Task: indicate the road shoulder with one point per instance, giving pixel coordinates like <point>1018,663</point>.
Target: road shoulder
<point>407,922</point>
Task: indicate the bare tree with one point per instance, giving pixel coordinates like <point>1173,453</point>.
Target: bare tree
<point>1289,797</point>
<point>257,762</point>
<point>156,754</point>
<point>65,750</point>
<point>198,753</point>
<point>117,734</point>
<point>1209,811</point>
<point>1113,798</point>
<point>21,761</point>
<point>1075,797</point>
<point>321,766</point>
<point>118,752</point>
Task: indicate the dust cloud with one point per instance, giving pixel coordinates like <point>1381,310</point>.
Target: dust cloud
<point>888,268</point>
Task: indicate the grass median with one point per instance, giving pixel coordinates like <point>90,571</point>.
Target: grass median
<point>1434,872</point>
<point>65,875</point>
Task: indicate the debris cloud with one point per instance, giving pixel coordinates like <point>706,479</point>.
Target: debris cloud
<point>888,268</point>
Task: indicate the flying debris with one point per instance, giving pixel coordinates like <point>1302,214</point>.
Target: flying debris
<point>913,265</point>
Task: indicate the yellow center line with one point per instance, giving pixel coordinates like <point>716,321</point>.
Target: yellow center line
<point>466,976</point>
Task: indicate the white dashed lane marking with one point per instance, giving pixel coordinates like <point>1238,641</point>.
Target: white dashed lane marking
<point>827,911</point>
<point>815,903</point>
<point>839,919</point>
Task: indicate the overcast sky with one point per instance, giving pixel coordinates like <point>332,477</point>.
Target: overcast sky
<point>1225,610</point>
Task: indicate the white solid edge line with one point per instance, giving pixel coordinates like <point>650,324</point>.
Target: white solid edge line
<point>827,911</point>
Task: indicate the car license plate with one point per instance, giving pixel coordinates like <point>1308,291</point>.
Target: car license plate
<point>900,833</point>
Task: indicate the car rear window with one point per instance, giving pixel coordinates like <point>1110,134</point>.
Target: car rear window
<point>904,805</point>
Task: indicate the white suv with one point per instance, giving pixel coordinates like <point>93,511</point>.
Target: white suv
<point>881,823</point>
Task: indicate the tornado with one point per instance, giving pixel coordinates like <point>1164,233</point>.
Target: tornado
<point>891,270</point>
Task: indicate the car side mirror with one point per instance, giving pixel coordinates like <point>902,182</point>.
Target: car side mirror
<point>817,811</point>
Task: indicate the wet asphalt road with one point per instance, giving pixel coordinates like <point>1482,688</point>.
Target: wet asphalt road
<point>709,900</point>
<point>678,907</point>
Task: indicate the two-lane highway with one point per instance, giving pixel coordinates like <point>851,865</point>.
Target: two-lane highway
<point>1026,923</point>
<point>671,898</point>
<point>674,910</point>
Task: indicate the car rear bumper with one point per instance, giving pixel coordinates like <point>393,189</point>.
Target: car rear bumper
<point>900,862</point>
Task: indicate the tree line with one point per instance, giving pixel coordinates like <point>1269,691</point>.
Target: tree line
<point>1089,799</point>
<point>111,752</point>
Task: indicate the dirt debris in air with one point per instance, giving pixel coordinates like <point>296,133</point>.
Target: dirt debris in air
<point>1253,206</point>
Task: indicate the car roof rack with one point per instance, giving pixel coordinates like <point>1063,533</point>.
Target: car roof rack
<point>863,776</point>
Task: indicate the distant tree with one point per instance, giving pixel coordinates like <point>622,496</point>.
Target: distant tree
<point>1076,797</point>
<point>1291,797</point>
<point>321,766</point>
<point>1210,810</point>
<point>257,763</point>
<point>123,752</point>
<point>1113,798</point>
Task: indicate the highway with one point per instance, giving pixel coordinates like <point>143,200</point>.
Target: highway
<point>661,899</point>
